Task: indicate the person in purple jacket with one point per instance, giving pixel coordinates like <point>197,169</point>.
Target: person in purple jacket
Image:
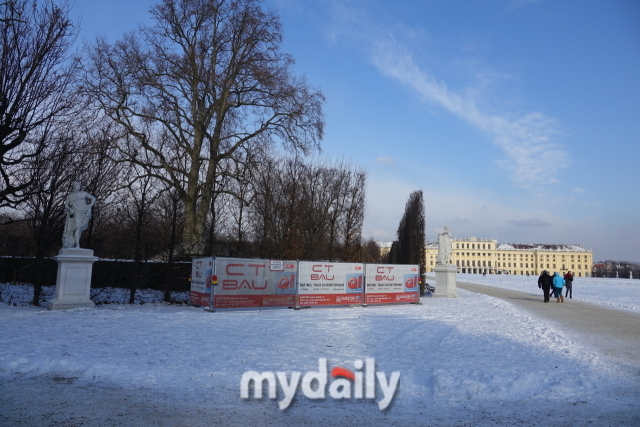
<point>568,281</point>
<point>558,283</point>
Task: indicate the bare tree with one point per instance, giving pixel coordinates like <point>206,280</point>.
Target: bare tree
<point>373,250</point>
<point>43,212</point>
<point>207,79</point>
<point>170,217</point>
<point>35,78</point>
<point>138,198</point>
<point>71,153</point>
<point>308,211</point>
<point>354,216</point>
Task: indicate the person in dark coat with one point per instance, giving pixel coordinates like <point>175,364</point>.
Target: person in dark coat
<point>568,282</point>
<point>545,282</point>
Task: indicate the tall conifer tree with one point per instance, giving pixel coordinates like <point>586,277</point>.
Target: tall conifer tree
<point>411,245</point>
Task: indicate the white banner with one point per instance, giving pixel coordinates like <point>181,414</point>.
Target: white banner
<point>330,283</point>
<point>389,283</point>
<point>201,269</point>
<point>254,283</point>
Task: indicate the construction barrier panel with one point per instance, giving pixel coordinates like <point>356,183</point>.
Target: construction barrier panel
<point>330,283</point>
<point>388,284</point>
<point>254,283</point>
<point>201,271</point>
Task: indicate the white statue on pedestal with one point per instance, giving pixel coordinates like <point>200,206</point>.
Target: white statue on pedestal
<point>444,247</point>
<point>78,205</point>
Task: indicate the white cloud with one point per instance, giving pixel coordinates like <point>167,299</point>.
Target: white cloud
<point>524,139</point>
<point>385,160</point>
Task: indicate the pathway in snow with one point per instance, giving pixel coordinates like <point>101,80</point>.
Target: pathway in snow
<point>614,333</point>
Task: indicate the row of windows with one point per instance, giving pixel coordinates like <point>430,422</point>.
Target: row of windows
<point>473,246</point>
<point>526,265</point>
<point>504,256</point>
<point>472,263</point>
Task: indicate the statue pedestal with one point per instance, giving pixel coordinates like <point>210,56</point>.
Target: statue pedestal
<point>446,280</point>
<point>73,284</point>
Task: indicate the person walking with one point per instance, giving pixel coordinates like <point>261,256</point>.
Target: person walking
<point>558,283</point>
<point>568,282</point>
<point>545,282</point>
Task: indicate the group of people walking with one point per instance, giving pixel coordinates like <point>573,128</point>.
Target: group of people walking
<point>556,282</point>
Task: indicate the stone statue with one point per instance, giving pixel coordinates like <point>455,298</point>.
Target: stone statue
<point>444,247</point>
<point>78,205</point>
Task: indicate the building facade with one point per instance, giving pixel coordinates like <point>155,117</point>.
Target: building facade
<point>477,256</point>
<point>385,248</point>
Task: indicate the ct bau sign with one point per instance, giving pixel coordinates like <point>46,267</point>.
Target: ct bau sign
<point>254,283</point>
<point>329,283</point>
<point>392,283</point>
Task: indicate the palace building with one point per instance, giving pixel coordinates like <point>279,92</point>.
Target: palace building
<point>473,255</point>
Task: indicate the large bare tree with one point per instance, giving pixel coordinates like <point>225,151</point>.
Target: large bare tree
<point>205,80</point>
<point>35,77</point>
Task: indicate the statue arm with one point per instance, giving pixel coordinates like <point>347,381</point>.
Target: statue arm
<point>67,205</point>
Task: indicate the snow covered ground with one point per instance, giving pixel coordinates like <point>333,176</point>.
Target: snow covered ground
<point>615,293</point>
<point>473,360</point>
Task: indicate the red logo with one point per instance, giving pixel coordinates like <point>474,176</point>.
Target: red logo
<point>287,282</point>
<point>355,282</point>
<point>411,282</point>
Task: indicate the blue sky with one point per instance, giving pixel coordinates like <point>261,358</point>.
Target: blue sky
<point>519,119</point>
